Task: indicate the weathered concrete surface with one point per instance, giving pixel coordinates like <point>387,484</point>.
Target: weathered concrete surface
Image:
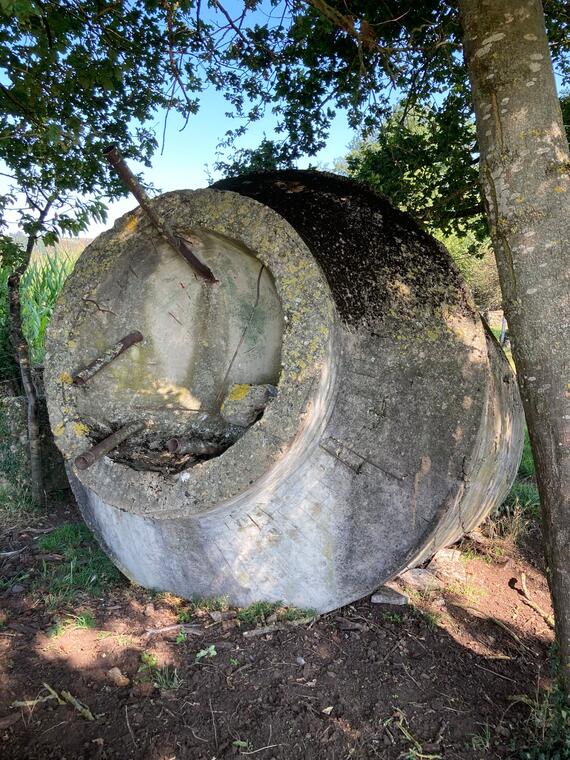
<point>396,425</point>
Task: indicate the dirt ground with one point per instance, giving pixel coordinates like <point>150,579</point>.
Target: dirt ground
<point>452,675</point>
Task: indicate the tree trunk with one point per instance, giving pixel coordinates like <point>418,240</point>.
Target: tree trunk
<point>23,359</point>
<point>525,175</point>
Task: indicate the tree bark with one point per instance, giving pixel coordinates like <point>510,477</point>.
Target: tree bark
<point>23,358</point>
<point>525,176</point>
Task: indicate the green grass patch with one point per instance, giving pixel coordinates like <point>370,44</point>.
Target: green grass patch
<point>41,285</point>
<point>82,621</point>
<point>526,467</point>
<point>258,612</point>
<point>523,499</point>
<point>201,606</point>
<point>392,617</point>
<point>548,726</point>
<point>468,590</point>
<point>431,619</point>
<point>525,494</point>
<point>85,568</point>
<point>162,678</point>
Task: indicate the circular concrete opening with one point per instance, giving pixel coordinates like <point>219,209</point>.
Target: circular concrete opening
<point>208,363</point>
<point>228,377</point>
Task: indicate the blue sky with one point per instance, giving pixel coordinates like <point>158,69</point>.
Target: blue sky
<point>188,154</point>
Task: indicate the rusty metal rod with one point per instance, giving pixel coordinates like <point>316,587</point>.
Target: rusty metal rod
<point>92,455</point>
<point>119,164</point>
<point>83,375</point>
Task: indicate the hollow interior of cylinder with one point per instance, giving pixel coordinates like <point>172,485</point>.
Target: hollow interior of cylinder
<point>210,357</point>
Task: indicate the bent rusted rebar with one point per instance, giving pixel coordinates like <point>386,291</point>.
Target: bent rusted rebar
<point>92,455</point>
<point>83,375</point>
<point>131,183</point>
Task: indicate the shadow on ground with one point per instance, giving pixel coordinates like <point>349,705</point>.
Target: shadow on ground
<point>439,679</point>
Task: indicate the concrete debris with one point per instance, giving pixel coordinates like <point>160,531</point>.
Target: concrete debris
<point>420,579</point>
<point>386,595</point>
<point>244,403</point>
<point>448,566</point>
<point>218,616</point>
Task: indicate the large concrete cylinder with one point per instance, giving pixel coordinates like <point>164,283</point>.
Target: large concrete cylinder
<point>387,420</point>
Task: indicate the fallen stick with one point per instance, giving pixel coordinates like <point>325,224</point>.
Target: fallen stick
<point>263,631</point>
<point>483,616</point>
<point>548,619</point>
<point>33,702</point>
<point>53,693</point>
<point>5,555</point>
<point>82,709</point>
<point>192,629</point>
<point>494,672</point>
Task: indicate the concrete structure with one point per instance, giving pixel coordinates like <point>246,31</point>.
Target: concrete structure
<point>395,427</point>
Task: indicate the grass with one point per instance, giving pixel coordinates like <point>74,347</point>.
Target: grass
<point>468,590</point>
<point>164,678</point>
<point>522,504</point>
<point>548,726</point>
<point>431,619</point>
<point>82,621</point>
<point>41,285</point>
<point>482,742</point>
<point>258,612</point>
<point>85,568</point>
<point>201,606</point>
<point>392,617</point>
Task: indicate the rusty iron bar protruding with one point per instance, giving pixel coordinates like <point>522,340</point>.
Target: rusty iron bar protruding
<point>83,375</point>
<point>92,455</point>
<point>131,183</point>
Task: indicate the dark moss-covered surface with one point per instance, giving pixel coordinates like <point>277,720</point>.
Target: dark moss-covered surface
<point>371,253</point>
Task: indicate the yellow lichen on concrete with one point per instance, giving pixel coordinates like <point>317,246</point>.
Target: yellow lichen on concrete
<point>59,429</point>
<point>80,429</point>
<point>65,378</point>
<point>238,392</point>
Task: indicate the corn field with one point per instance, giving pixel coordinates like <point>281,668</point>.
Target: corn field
<point>41,284</point>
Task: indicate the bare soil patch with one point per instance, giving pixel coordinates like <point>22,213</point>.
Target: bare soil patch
<point>440,678</point>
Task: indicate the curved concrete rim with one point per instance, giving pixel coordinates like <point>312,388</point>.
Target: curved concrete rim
<point>305,384</point>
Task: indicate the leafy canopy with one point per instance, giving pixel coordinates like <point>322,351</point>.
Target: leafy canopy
<point>77,75</point>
